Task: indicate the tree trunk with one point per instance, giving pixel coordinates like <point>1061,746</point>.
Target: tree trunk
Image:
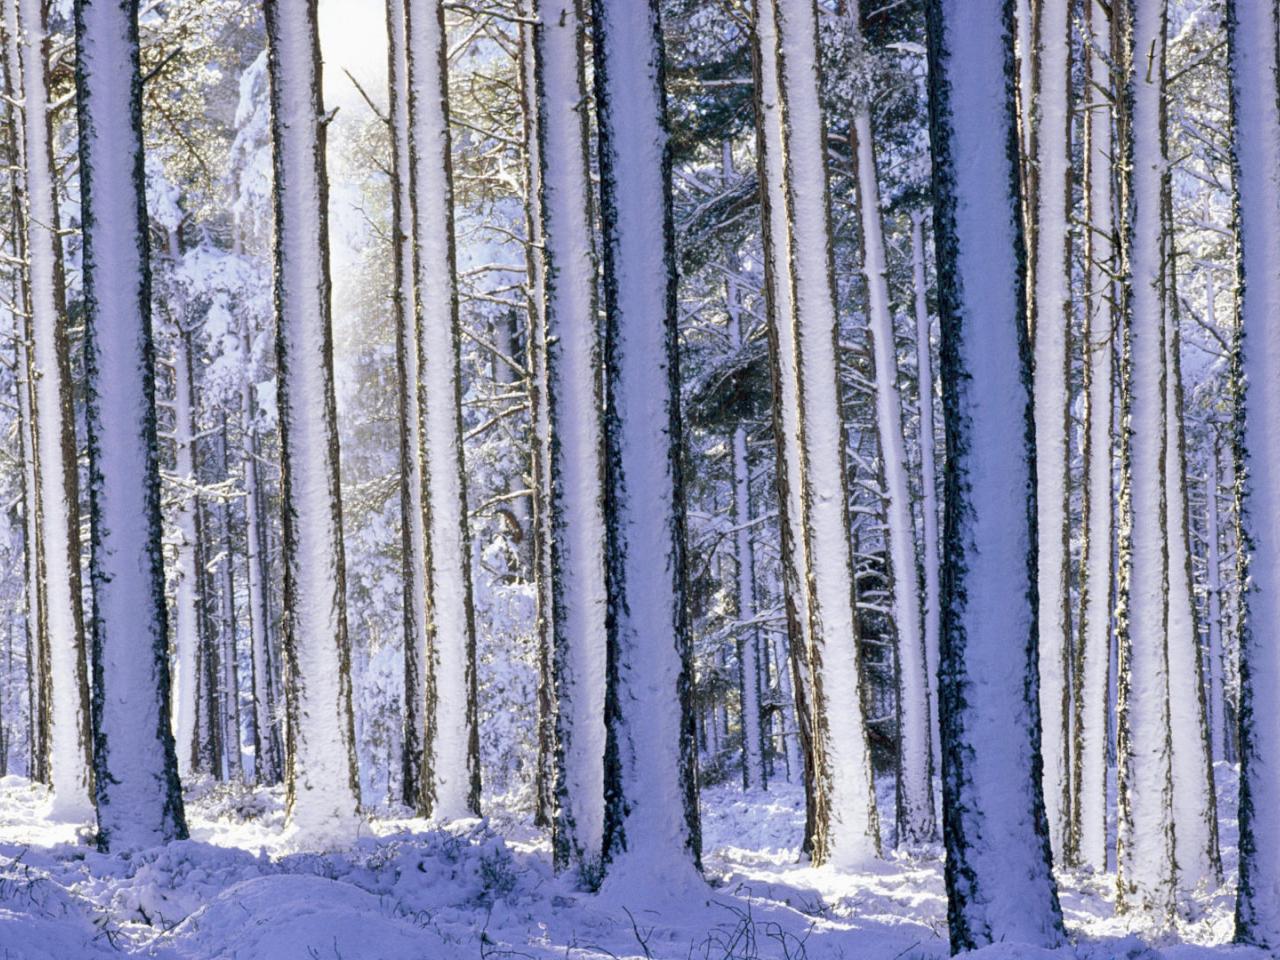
<point>266,729</point>
<point>209,728</point>
<point>67,703</point>
<point>1051,325</point>
<point>412,516</point>
<point>323,788</point>
<point>999,876</point>
<point>845,825</point>
<point>779,304</point>
<point>1218,745</point>
<point>1093,648</point>
<point>138,795</point>
<point>37,637</point>
<point>1195,808</point>
<point>928,478</point>
<point>540,418</point>
<point>1144,846</point>
<point>576,470</point>
<point>915,815</point>
<point>451,754</point>
<point>750,671</point>
<point>185,705</point>
<point>227,627</point>
<point>1256,158</point>
<point>651,817</point>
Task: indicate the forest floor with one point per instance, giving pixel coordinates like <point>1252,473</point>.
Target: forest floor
<point>484,890</point>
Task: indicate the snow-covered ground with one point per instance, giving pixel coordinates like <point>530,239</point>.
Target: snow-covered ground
<point>484,890</point>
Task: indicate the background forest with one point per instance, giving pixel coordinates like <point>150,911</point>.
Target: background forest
<point>802,754</point>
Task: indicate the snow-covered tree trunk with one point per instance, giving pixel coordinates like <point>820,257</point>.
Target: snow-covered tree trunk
<point>1218,740</point>
<point>229,686</point>
<point>1233,606</point>
<point>266,732</point>
<point>750,669</point>
<point>67,705</point>
<point>1195,809</point>
<point>999,877</point>
<point>412,518</point>
<point>1144,845</point>
<point>321,778</point>
<point>779,302</point>
<point>1252,30</point>
<point>540,418</point>
<point>1051,324</point>
<point>576,470</point>
<point>37,638</point>
<point>138,795</point>
<point>754,771</point>
<point>915,816</point>
<point>928,476</point>
<point>185,695</point>
<point>209,728</point>
<point>786,714</point>
<point>651,820</point>
<point>1025,92</point>
<point>845,825</point>
<point>1093,648</point>
<point>451,749</point>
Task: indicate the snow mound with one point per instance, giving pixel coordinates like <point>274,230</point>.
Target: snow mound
<point>41,920</point>
<point>304,918</point>
<point>1018,951</point>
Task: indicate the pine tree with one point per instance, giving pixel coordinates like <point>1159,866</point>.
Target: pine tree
<point>451,758</point>
<point>1195,810</point>
<point>185,698</point>
<point>266,730</point>
<point>1000,884</point>
<point>576,470</point>
<point>1252,30</point>
<point>35,621</point>
<point>67,703</point>
<point>750,671</point>
<point>1144,846</point>
<point>779,306</point>
<point>929,559</point>
<point>845,827</point>
<point>412,516</point>
<point>138,795</point>
<point>1050,322</point>
<point>1092,665</point>
<point>228,641</point>
<point>1219,739</point>
<point>322,784</point>
<point>916,821</point>
<point>540,417</point>
<point>651,825</point>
